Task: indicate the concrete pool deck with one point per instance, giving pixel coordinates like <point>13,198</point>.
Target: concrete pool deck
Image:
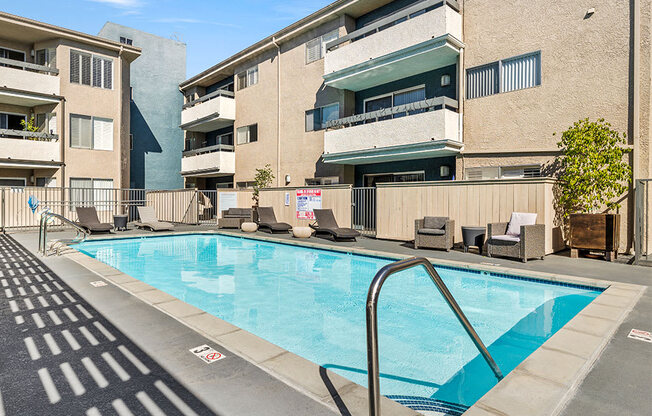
<point>353,399</point>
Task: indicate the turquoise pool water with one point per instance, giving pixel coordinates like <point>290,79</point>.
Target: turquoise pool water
<point>312,302</point>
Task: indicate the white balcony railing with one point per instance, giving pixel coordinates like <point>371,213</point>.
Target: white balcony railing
<point>29,77</point>
<point>425,129</point>
<point>210,112</point>
<point>428,37</point>
<point>209,161</point>
<point>29,146</point>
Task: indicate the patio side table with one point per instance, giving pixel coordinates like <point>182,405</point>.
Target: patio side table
<point>473,236</point>
<point>120,222</point>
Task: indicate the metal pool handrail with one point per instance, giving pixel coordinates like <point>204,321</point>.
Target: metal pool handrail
<point>372,323</point>
<point>43,230</point>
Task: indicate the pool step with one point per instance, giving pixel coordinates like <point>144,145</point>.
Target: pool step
<point>430,407</point>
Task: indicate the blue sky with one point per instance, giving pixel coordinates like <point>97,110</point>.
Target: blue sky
<point>212,30</point>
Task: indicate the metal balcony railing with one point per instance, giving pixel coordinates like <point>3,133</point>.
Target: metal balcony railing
<point>28,66</point>
<point>28,135</point>
<point>430,104</point>
<point>207,97</point>
<point>398,17</point>
<point>209,149</point>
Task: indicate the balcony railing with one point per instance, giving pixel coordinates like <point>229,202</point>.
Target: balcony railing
<point>390,20</point>
<point>28,66</point>
<point>207,97</point>
<point>417,107</point>
<point>28,135</point>
<point>209,149</point>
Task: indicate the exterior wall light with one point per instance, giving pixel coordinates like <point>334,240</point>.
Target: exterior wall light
<point>444,171</point>
<point>288,179</point>
<point>445,80</point>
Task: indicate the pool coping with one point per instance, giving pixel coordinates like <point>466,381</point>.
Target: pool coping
<point>540,385</point>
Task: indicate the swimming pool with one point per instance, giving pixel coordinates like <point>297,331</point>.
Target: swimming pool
<point>312,302</point>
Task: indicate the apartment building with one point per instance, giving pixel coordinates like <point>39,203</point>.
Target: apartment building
<point>76,89</point>
<point>368,91</point>
<point>156,139</point>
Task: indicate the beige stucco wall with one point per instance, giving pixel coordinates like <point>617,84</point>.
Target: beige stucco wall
<point>301,89</point>
<point>97,102</point>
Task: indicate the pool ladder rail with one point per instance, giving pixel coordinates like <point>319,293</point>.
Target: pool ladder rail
<point>372,323</point>
<point>81,235</point>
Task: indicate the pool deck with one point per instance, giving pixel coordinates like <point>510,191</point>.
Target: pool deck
<point>624,363</point>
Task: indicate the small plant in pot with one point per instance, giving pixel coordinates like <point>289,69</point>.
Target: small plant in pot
<point>593,176</point>
<point>263,179</point>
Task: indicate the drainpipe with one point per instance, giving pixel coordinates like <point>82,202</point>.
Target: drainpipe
<point>62,146</point>
<point>635,116</point>
<point>278,112</point>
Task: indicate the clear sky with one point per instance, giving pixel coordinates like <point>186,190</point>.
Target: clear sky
<point>213,30</point>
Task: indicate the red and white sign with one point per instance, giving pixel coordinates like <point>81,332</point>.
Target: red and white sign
<point>307,201</point>
<point>639,335</point>
<point>207,354</point>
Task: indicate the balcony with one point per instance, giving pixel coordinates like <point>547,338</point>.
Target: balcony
<point>210,112</point>
<point>420,130</point>
<point>31,149</point>
<point>209,161</point>
<point>418,39</point>
<point>26,84</point>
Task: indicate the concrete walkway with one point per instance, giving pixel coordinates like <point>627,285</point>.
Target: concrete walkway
<point>621,380</point>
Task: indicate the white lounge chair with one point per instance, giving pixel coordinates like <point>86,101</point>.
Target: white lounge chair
<point>149,220</point>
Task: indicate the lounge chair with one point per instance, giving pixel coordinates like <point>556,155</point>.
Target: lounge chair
<point>434,232</point>
<point>149,220</point>
<point>87,219</point>
<point>326,223</point>
<point>267,221</point>
<point>521,237</point>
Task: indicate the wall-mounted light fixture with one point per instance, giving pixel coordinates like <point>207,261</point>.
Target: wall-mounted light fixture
<point>445,80</point>
<point>589,12</point>
<point>288,179</point>
<point>444,171</point>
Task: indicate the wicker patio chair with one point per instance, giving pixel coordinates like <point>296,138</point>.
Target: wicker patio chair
<point>434,232</point>
<point>520,238</point>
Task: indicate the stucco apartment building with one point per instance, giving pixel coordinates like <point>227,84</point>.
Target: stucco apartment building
<point>76,87</point>
<point>368,91</point>
<point>156,139</point>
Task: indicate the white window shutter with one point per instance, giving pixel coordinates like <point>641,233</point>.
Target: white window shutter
<point>313,50</point>
<point>522,72</point>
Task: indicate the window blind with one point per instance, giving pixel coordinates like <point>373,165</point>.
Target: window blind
<point>97,71</point>
<point>86,69</point>
<point>102,134</point>
<point>80,131</point>
<point>482,81</point>
<point>521,72</point>
<point>108,74</point>
<point>313,50</point>
<point>75,67</point>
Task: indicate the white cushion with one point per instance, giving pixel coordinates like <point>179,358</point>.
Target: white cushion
<point>511,238</point>
<point>518,219</point>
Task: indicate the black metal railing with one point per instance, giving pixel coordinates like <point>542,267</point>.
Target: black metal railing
<point>430,104</point>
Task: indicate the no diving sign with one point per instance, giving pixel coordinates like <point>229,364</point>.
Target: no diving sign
<point>207,354</point>
<point>639,335</point>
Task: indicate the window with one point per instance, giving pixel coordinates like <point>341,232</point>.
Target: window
<point>88,132</point>
<point>11,121</point>
<point>248,77</point>
<point>372,179</point>
<point>20,182</point>
<point>502,172</point>
<point>47,122</point>
<point>245,184</point>
<point>395,99</point>
<point>511,74</point>
<point>247,134</point>
<point>316,48</point>
<point>46,182</point>
<point>12,54</point>
<point>85,192</point>
<point>317,118</point>
<point>85,68</point>
<point>46,57</point>
<point>131,141</point>
<point>126,41</point>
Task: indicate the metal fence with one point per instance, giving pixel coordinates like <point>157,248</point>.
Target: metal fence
<point>642,220</point>
<point>182,206</point>
<point>363,210</point>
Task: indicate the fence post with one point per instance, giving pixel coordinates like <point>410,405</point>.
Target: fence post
<point>639,219</point>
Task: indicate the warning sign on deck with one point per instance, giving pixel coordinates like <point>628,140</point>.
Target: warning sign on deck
<point>207,354</point>
<point>98,283</point>
<point>639,335</point>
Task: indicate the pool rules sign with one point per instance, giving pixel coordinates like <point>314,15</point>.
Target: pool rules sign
<point>307,201</point>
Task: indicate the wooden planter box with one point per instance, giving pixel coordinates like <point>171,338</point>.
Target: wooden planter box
<point>597,232</point>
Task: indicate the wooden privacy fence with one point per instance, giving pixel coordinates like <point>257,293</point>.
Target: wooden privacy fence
<point>335,197</point>
<point>468,203</point>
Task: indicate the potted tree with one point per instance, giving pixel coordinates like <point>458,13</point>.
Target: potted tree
<point>593,175</point>
<point>262,179</point>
